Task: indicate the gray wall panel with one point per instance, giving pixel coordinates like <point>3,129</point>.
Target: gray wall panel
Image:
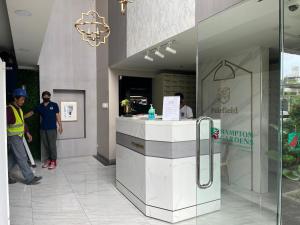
<point>118,38</point>
<point>72,129</point>
<point>67,62</point>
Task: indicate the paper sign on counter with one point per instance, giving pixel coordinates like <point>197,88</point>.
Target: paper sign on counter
<point>171,108</point>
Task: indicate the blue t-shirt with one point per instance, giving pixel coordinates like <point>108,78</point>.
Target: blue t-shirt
<point>48,114</point>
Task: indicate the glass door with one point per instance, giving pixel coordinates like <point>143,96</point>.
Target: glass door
<point>238,110</point>
<point>290,81</point>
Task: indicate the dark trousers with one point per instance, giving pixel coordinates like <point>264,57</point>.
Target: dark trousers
<point>17,156</point>
<point>48,139</point>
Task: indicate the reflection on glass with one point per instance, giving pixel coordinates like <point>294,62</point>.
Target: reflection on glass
<point>290,114</point>
<point>291,117</point>
<point>239,85</point>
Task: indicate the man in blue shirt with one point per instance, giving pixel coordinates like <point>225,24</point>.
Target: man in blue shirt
<point>49,112</point>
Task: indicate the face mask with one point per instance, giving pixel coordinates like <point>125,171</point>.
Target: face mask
<point>46,99</point>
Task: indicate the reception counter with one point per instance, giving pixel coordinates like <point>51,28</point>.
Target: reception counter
<point>156,168</point>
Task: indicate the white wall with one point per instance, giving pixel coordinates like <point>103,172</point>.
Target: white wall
<point>4,203</point>
<point>67,62</point>
<point>207,8</point>
<point>147,23</point>
<point>150,22</point>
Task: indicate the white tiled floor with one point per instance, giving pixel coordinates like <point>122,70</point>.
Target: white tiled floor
<point>81,191</point>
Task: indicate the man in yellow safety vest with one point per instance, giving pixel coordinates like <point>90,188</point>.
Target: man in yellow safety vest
<point>16,129</point>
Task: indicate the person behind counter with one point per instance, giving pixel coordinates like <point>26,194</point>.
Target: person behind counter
<point>186,112</point>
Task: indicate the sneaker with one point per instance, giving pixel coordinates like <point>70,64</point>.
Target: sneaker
<point>34,181</point>
<point>46,164</point>
<point>52,165</point>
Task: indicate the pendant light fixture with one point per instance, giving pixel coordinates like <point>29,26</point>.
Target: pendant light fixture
<point>93,28</point>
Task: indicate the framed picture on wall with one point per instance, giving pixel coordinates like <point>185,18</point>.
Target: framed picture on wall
<point>68,111</point>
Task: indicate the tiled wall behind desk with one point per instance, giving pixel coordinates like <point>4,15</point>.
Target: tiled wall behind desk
<point>167,84</point>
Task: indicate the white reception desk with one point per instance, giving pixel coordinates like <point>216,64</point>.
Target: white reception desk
<point>156,168</point>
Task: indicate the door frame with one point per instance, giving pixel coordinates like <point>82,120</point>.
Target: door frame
<point>4,198</point>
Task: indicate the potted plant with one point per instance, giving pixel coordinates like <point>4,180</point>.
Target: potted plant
<point>290,148</point>
<point>126,107</point>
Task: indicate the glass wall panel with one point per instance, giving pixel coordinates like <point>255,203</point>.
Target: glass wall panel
<point>239,89</point>
<point>291,113</point>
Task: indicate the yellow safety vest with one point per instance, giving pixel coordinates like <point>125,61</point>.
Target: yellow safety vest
<point>18,128</point>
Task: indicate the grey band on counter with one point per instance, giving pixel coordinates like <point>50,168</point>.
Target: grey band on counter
<point>169,150</point>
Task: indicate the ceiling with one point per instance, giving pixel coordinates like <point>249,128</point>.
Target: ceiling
<point>28,31</point>
<point>5,34</point>
<point>186,47</point>
<point>232,30</point>
<point>243,26</point>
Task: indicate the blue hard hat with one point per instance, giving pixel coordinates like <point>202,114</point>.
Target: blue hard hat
<point>20,92</point>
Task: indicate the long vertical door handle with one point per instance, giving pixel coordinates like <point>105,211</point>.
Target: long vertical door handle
<point>210,150</point>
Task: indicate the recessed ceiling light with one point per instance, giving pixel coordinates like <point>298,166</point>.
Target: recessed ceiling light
<point>22,12</point>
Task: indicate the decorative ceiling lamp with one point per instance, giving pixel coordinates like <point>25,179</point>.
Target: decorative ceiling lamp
<point>93,28</point>
<point>124,5</point>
